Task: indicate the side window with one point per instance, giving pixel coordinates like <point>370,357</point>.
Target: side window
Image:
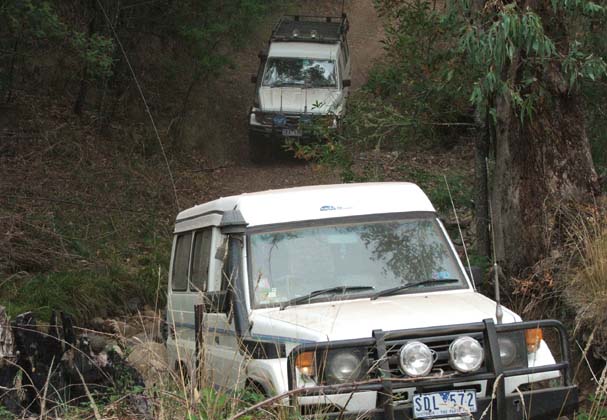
<point>181,260</point>
<point>201,254</point>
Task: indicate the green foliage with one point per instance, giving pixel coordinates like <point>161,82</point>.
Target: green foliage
<point>420,84</point>
<point>5,414</point>
<point>598,409</point>
<point>210,31</point>
<point>494,39</point>
<point>95,52</point>
<point>29,18</point>
<point>83,293</point>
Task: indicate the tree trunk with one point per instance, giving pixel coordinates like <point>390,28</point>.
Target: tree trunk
<point>481,199</point>
<point>541,165</point>
<point>84,82</point>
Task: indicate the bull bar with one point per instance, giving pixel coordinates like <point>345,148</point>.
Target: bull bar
<point>548,403</point>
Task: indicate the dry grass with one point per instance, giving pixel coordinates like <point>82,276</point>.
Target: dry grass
<point>587,289</point>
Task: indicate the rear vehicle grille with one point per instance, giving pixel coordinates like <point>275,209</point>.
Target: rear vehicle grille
<point>292,120</point>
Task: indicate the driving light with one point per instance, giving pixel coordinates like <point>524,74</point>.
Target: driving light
<point>533,338</point>
<point>466,354</point>
<point>508,351</point>
<point>344,366</point>
<point>416,359</point>
<point>305,363</point>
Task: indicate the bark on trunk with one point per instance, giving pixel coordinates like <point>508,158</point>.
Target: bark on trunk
<point>540,166</point>
<point>481,200</point>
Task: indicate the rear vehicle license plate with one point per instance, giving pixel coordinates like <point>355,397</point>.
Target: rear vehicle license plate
<point>287,132</point>
<point>444,403</point>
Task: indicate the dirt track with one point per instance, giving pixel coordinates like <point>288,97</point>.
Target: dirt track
<point>221,127</point>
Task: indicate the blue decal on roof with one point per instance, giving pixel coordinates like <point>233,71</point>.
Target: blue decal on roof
<point>327,208</point>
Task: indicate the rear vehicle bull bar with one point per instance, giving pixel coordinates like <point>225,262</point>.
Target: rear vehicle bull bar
<point>532,404</point>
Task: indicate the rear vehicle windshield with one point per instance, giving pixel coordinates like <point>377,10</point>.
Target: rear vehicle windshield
<point>299,72</point>
<point>372,256</point>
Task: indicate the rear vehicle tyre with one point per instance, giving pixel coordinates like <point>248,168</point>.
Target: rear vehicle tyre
<point>260,148</point>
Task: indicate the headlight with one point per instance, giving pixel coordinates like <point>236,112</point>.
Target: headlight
<point>344,366</point>
<point>466,354</point>
<point>508,351</point>
<point>259,115</point>
<point>333,122</point>
<point>512,348</point>
<point>416,359</point>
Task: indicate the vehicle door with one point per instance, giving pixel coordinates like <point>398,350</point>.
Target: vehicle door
<point>189,278</point>
<point>225,362</point>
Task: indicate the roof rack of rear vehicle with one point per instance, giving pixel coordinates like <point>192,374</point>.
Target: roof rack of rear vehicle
<point>327,29</point>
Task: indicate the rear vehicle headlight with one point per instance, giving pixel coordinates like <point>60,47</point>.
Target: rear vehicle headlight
<point>466,354</point>
<point>345,366</point>
<point>416,359</point>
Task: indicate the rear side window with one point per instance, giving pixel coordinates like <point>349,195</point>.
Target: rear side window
<point>179,280</point>
<point>201,253</point>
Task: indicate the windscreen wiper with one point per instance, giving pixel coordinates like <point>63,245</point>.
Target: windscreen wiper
<point>338,289</point>
<point>395,290</point>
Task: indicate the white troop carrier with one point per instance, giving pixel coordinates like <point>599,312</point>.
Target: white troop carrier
<point>354,296</point>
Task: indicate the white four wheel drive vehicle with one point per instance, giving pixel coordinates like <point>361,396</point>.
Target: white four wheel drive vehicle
<point>354,296</point>
<point>302,82</point>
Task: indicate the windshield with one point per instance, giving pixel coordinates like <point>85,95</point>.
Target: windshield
<point>303,72</point>
<point>361,258</point>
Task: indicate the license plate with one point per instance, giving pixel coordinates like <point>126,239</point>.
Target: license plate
<point>287,132</point>
<point>444,403</point>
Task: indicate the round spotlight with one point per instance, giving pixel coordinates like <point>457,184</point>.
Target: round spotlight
<point>416,359</point>
<point>466,354</point>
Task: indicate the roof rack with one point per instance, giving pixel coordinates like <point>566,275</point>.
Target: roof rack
<point>324,29</point>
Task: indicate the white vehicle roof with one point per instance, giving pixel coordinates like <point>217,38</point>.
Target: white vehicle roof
<point>312,203</point>
<point>304,50</point>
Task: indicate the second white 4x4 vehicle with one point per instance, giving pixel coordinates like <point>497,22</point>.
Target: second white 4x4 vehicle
<point>302,83</point>
<point>352,300</point>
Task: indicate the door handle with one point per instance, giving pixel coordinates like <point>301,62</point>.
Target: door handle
<point>216,340</point>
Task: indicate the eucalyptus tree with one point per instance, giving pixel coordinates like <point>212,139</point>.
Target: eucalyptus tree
<point>531,58</point>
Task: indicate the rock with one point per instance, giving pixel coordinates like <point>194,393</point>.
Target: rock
<point>99,342</point>
<point>97,324</point>
<point>121,328</point>
<point>150,360</point>
<point>133,304</point>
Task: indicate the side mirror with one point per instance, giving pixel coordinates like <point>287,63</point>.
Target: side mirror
<point>262,54</point>
<point>476,275</point>
<point>346,83</point>
<point>253,78</point>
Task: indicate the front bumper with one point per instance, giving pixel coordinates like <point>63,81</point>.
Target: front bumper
<point>267,130</point>
<point>493,402</point>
